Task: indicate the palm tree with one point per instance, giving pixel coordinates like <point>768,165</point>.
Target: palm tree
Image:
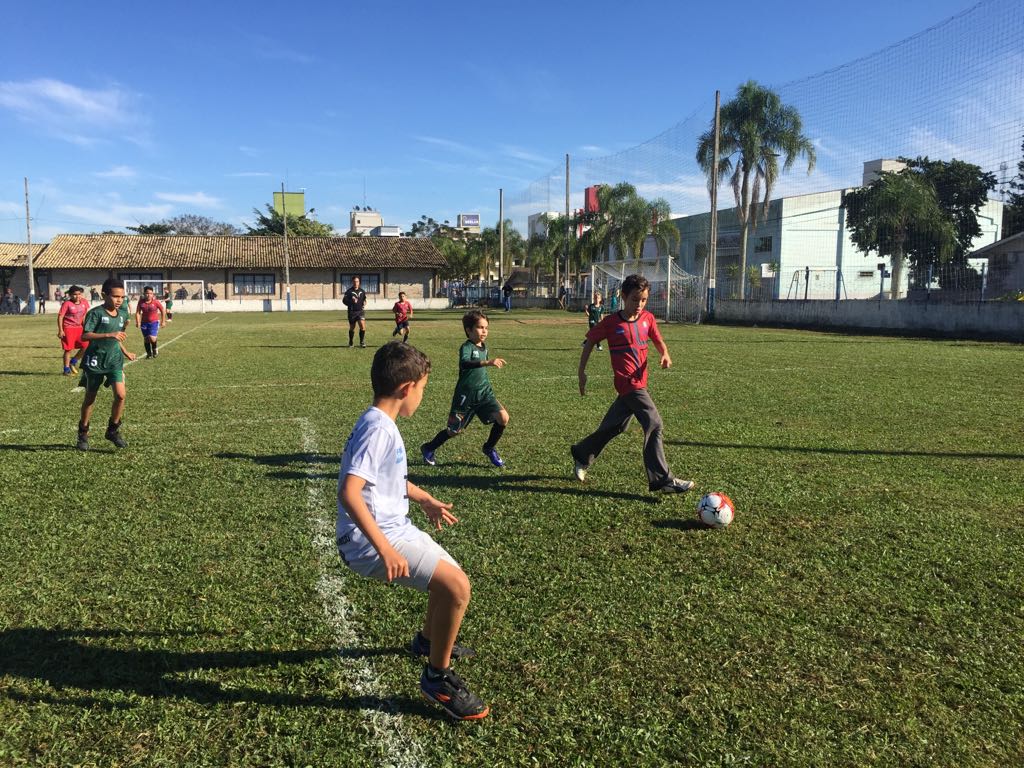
<point>756,130</point>
<point>627,219</point>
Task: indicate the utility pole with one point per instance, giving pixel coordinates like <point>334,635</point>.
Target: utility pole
<point>713,246</point>
<point>31,274</point>
<point>501,237</point>
<point>287,271</point>
<point>568,224</point>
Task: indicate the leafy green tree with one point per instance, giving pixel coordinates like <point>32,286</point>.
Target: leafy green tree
<point>756,130</point>
<point>892,213</point>
<point>1013,212</point>
<point>625,221</point>
<point>961,189</point>
<point>187,224</point>
<point>272,223</point>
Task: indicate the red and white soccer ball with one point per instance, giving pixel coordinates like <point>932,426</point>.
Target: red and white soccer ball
<point>716,510</point>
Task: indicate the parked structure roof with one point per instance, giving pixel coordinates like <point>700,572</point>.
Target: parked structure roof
<point>238,252</point>
<point>14,254</point>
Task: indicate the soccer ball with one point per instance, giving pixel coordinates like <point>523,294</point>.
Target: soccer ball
<point>716,510</point>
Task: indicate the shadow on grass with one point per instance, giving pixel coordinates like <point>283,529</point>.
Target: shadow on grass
<point>68,658</point>
<point>36,448</point>
<point>25,373</point>
<point>848,451</point>
<point>680,525</point>
<point>281,459</point>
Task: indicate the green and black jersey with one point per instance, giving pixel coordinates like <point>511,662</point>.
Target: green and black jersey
<point>474,385</point>
<point>104,355</point>
<point>594,312</point>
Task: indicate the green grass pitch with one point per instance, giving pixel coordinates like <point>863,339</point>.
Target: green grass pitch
<point>179,603</point>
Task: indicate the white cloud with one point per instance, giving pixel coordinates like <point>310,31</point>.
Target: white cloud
<point>9,209</point>
<point>250,175</point>
<point>118,172</point>
<point>454,146</point>
<point>518,153</point>
<point>77,115</point>
<point>200,199</point>
<point>250,151</point>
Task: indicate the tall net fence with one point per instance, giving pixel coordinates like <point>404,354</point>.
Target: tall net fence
<point>953,91</point>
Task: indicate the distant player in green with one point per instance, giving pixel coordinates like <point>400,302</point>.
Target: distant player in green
<point>169,305</point>
<point>103,364</point>
<point>473,394</point>
<point>594,311</point>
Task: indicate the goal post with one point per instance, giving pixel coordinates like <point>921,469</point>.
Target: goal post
<point>675,294</point>
<point>188,295</point>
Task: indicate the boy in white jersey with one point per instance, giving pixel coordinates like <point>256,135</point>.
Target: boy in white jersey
<point>377,539</point>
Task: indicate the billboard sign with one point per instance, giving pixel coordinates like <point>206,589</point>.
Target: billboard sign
<point>467,220</point>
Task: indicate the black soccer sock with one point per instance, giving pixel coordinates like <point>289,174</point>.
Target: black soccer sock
<point>148,350</point>
<point>362,335</point>
<point>153,344</point>
<point>351,333</point>
<point>497,430</point>
<point>440,439</point>
<point>395,332</point>
<point>82,428</point>
<point>113,426</point>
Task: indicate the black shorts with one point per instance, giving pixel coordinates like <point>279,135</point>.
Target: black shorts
<point>404,324</point>
<point>355,317</point>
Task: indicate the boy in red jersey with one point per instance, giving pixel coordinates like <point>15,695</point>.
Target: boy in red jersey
<point>150,315</point>
<point>69,328</point>
<point>403,311</point>
<point>628,332</point>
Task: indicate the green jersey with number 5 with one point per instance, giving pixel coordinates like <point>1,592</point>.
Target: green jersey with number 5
<point>104,355</point>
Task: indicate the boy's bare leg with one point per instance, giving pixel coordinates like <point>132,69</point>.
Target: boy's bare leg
<point>117,408</point>
<point>87,402</point>
<point>449,596</point>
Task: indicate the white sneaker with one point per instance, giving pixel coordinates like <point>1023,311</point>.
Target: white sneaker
<point>579,470</point>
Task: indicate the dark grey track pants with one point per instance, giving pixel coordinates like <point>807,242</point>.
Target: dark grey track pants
<point>625,407</point>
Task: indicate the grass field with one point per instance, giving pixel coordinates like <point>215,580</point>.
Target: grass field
<point>180,603</point>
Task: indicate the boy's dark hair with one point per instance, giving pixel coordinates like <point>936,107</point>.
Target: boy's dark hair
<point>147,288</point>
<point>110,283</point>
<point>471,318</point>
<point>634,283</point>
<point>394,364</point>
<point>74,288</point>
<point>401,294</point>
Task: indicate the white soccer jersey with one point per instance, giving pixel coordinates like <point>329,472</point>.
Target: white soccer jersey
<point>375,452</point>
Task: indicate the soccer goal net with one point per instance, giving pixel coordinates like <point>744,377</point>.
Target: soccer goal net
<point>187,295</point>
<point>676,295</point>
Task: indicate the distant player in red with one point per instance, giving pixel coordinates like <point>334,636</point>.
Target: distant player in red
<point>403,311</point>
<point>150,315</point>
<point>69,328</point>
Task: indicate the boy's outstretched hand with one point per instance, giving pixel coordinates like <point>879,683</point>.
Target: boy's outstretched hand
<point>666,361</point>
<point>438,512</point>
<point>498,362</point>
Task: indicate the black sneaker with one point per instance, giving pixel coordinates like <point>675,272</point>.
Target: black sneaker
<point>83,441</point>
<point>675,486</point>
<point>447,689</point>
<point>420,646</point>
<point>114,436</point>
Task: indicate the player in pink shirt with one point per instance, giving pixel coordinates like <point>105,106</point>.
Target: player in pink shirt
<point>69,328</point>
<point>628,332</point>
<point>150,315</point>
<point>403,311</point>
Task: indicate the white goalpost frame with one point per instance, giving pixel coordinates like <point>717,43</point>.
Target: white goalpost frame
<point>168,285</point>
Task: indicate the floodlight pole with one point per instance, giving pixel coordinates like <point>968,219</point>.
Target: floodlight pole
<point>713,245</point>
<point>287,272</point>
<point>568,224</point>
<point>31,274</point>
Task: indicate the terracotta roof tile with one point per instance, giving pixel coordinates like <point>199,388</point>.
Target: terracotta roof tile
<point>13,254</point>
<point>238,252</point>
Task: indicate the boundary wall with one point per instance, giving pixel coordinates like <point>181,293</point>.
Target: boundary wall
<point>1002,320</point>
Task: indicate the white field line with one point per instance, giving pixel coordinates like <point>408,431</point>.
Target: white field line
<point>385,727</point>
<point>164,344</point>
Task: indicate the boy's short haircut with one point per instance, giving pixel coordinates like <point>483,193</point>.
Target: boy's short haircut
<point>634,283</point>
<point>471,318</point>
<point>401,294</point>
<point>394,364</point>
<point>110,284</point>
<point>147,288</point>
<point>76,289</point>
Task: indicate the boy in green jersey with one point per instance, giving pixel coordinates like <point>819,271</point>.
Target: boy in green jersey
<point>473,394</point>
<point>103,364</point>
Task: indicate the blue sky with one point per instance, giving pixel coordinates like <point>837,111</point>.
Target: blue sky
<point>120,113</point>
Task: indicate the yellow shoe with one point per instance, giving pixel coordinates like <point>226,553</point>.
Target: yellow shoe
<point>74,368</point>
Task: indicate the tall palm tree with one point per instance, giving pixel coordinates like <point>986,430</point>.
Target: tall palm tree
<point>756,130</point>
<point>627,219</point>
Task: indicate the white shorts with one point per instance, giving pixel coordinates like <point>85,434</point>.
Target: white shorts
<point>423,554</point>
